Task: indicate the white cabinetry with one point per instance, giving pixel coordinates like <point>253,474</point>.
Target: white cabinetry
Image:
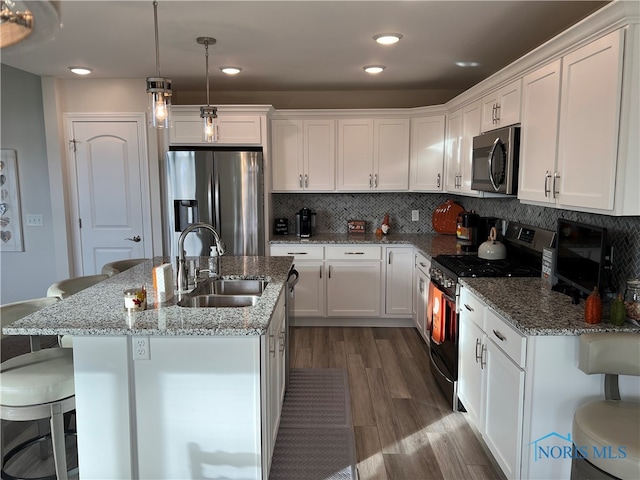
<point>353,281</point>
<point>427,154</point>
<point>274,376</point>
<point>310,290</point>
<point>501,108</point>
<point>373,154</point>
<point>464,124</point>
<point>399,280</point>
<point>231,129</point>
<point>577,117</point>
<point>421,294</point>
<point>303,154</point>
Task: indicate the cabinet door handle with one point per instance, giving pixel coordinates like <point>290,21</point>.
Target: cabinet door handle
<point>354,253</point>
<point>320,271</point>
<point>421,286</point>
<point>547,176</point>
<point>500,336</point>
<point>370,181</point>
<point>390,255</point>
<point>483,357</point>
<point>297,253</point>
<point>272,345</point>
<point>468,307</point>
<point>555,184</point>
<point>493,114</point>
<point>300,180</point>
<point>497,119</point>
<point>478,350</point>
<point>375,181</point>
<point>438,180</point>
<point>306,181</point>
<point>329,271</point>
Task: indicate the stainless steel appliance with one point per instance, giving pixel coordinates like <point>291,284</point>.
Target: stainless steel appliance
<point>221,187</point>
<point>495,161</point>
<point>524,255</point>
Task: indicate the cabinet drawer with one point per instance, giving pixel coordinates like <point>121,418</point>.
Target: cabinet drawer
<point>510,341</point>
<point>300,252</point>
<point>353,252</point>
<point>472,307</point>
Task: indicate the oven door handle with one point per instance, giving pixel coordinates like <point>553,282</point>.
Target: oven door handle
<point>434,363</point>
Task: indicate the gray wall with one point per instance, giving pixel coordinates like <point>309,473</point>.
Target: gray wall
<point>27,274</point>
<point>333,210</point>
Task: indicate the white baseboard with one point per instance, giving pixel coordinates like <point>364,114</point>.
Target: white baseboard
<point>351,322</point>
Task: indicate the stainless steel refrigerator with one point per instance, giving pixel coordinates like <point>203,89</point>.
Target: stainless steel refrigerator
<point>222,187</point>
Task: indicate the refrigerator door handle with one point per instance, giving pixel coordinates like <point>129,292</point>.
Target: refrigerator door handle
<point>216,202</point>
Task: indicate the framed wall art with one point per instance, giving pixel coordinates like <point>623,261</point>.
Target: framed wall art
<point>10,216</point>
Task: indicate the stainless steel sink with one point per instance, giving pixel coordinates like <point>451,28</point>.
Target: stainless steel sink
<point>231,287</point>
<point>217,300</point>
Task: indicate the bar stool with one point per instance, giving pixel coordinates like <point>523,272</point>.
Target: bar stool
<point>116,267</point>
<point>37,386</point>
<point>66,288</point>
<point>602,427</point>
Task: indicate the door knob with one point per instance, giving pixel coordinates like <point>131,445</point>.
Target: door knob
<point>134,239</point>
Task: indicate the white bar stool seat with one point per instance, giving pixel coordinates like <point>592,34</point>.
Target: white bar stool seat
<point>66,288</point>
<point>37,386</point>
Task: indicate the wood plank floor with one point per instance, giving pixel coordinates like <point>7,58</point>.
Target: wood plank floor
<point>403,426</point>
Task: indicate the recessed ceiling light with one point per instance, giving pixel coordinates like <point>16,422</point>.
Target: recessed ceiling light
<point>231,70</point>
<point>387,38</point>
<point>467,64</point>
<point>81,70</point>
<point>373,69</point>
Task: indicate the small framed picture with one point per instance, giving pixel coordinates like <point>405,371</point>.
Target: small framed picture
<point>355,226</point>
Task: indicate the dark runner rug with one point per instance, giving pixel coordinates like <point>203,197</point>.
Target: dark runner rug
<point>315,439</point>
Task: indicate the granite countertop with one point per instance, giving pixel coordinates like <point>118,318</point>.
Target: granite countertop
<point>527,303</point>
<point>99,310</point>
<point>534,309</point>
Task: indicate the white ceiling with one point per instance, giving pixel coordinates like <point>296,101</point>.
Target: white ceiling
<point>298,45</point>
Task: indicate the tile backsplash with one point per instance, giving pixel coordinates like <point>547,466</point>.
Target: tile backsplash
<point>333,210</point>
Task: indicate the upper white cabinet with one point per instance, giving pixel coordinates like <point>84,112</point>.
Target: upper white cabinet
<point>577,150</point>
<point>186,128</point>
<point>464,124</point>
<point>427,154</point>
<point>502,107</point>
<point>303,155</point>
<point>373,154</point>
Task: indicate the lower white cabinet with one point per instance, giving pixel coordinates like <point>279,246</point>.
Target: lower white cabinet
<point>504,409</point>
<point>521,392</point>
<point>399,263</point>
<point>273,378</point>
<point>360,281</point>
<point>353,281</point>
<point>310,289</point>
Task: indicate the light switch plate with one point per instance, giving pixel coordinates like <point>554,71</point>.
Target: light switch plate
<point>415,215</point>
<point>34,220</point>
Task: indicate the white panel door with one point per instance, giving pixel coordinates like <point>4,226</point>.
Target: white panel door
<point>320,155</point>
<point>286,137</point>
<point>355,154</point>
<point>427,154</point>
<point>353,288</point>
<point>108,166</point>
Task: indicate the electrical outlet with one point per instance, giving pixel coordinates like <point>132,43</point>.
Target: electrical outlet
<point>141,348</point>
<point>415,215</point>
<point>34,220</point>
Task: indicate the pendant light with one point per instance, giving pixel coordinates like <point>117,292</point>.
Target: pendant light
<point>158,87</point>
<point>208,113</point>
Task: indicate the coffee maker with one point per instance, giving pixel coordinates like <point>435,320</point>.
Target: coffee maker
<point>305,223</point>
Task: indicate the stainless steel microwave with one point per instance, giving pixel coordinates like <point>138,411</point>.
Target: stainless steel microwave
<point>495,161</point>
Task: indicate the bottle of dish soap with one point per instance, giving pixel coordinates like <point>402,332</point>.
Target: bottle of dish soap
<point>214,262</point>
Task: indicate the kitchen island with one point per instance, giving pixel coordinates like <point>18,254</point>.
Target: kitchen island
<point>173,392</point>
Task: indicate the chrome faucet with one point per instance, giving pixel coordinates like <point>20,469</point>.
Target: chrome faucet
<point>182,269</point>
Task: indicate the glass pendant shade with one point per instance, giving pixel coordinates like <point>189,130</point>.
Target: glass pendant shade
<point>208,115</point>
<point>158,87</point>
<point>159,90</point>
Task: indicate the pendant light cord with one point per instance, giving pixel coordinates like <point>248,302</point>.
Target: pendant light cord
<point>155,22</point>
<point>206,60</point>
